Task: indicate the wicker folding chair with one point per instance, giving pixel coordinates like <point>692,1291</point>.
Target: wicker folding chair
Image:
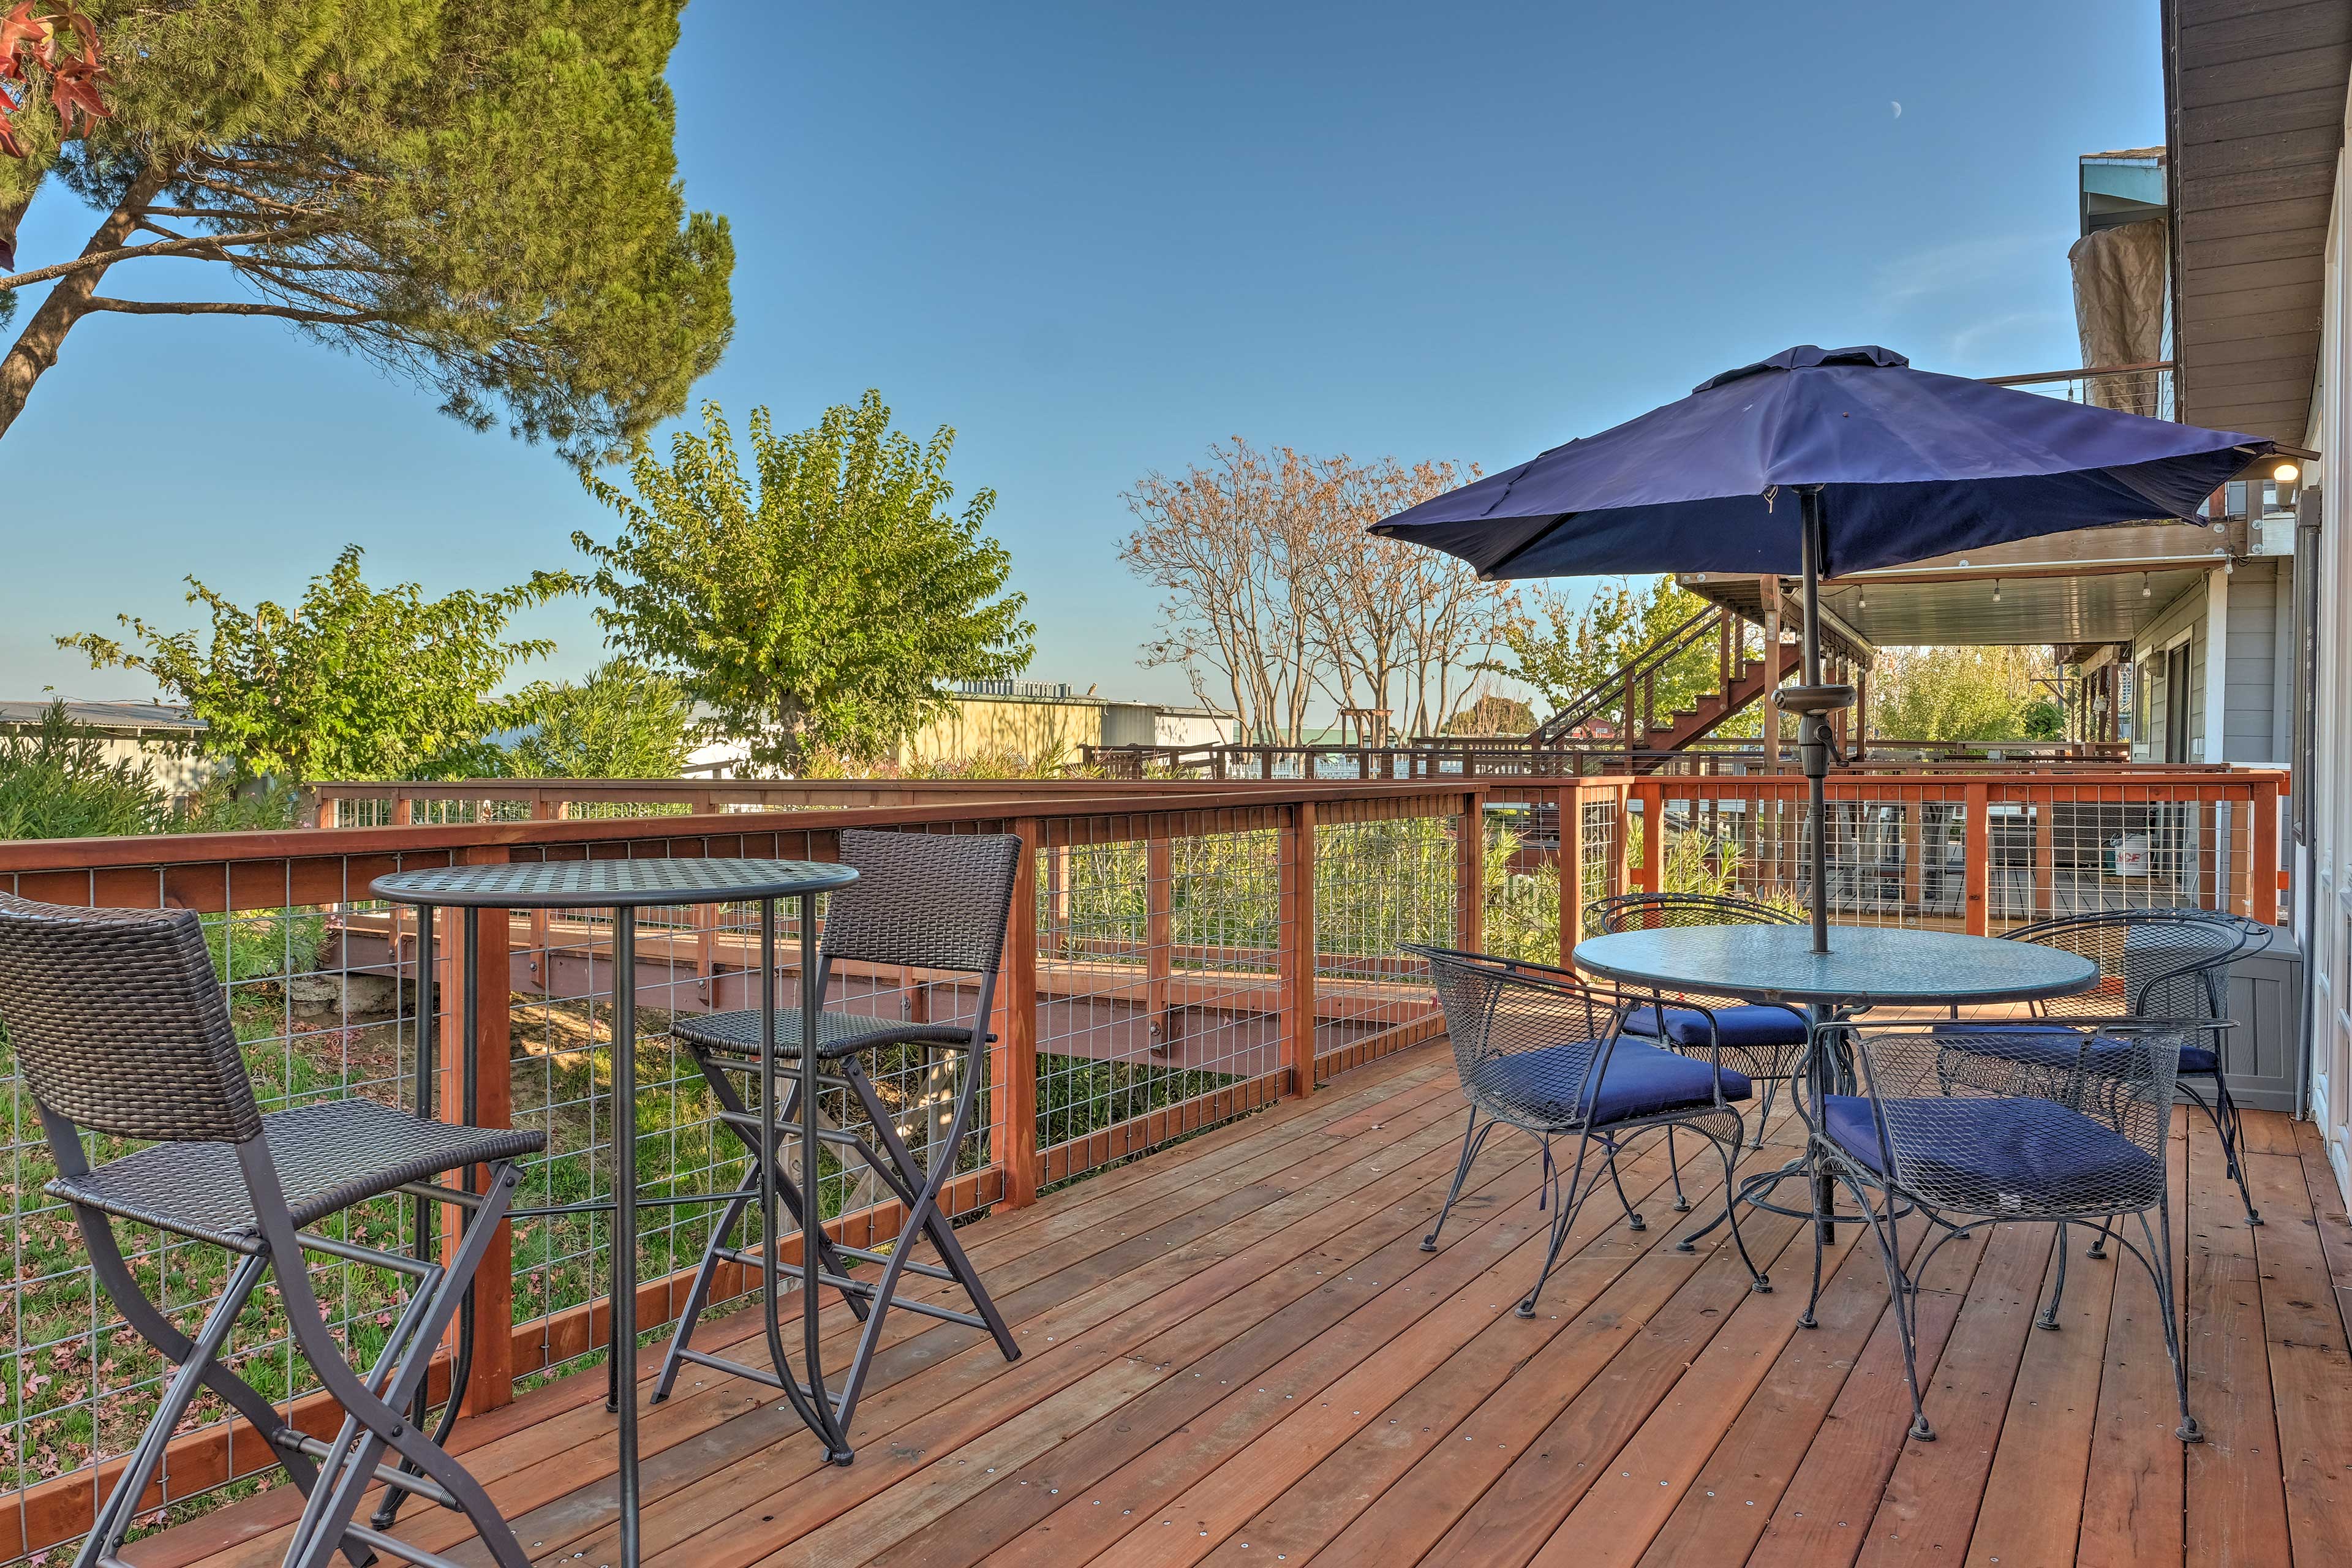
<point>1767,1040</point>
<point>1983,1125</point>
<point>118,1019</point>
<point>2171,964</point>
<point>1540,1050</point>
<point>929,901</point>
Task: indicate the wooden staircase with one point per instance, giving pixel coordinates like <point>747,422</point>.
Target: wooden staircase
<point>1628,699</point>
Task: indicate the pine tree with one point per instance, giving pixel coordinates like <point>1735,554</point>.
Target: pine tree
<point>480,195</point>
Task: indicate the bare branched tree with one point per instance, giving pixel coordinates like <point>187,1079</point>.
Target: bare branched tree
<point>1274,594</point>
<point>1233,544</point>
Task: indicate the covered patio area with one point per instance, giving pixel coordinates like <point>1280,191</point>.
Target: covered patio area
<point>1236,1352</point>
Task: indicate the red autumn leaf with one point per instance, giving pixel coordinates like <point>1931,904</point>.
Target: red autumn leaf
<point>28,38</point>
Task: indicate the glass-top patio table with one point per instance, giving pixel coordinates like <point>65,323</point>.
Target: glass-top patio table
<point>1866,966</point>
<point>625,887</point>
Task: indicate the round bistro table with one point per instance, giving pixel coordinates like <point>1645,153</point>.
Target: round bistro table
<point>1866,966</point>
<point>625,887</point>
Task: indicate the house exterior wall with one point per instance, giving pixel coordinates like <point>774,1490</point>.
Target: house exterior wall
<point>2324,870</point>
<point>1031,727</point>
<point>2252,730</point>
<point>2161,708</point>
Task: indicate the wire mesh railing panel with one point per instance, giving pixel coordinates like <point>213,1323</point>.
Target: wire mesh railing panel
<point>1381,883</point>
<point>1158,977</point>
<point>317,1017</point>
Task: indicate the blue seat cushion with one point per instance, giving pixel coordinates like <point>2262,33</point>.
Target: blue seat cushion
<point>1749,1026</point>
<point>1995,1156</point>
<point>1641,1079</point>
<point>2057,1044</point>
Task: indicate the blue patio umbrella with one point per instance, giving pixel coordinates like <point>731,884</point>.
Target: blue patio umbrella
<point>1822,461</point>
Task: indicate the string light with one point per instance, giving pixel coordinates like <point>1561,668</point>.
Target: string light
<point>1996,590</point>
<point>2143,591</point>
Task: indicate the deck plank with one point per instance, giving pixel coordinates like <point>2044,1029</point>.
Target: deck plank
<point>1935,1492</point>
<point>2236,1496</point>
<point>1821,1515</point>
<point>2310,1364</point>
<point>557,1496</point>
<point>2032,1509</point>
<point>1612,1525</point>
<point>1177,1426</point>
<point>1725,1507</point>
<point>1235,1353</point>
<point>2132,1493</point>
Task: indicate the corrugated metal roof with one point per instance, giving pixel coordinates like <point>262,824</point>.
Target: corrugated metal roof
<point>106,715</point>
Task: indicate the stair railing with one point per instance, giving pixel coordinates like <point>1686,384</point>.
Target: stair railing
<point>1632,689</point>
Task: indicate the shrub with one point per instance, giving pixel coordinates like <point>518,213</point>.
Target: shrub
<point>56,782</point>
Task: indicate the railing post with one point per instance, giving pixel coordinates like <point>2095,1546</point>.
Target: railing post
<point>1295,940</point>
<point>2044,902</point>
<point>492,1381</point>
<point>1571,837</point>
<point>2263,854</point>
<point>1654,835</point>
<point>1012,1059</point>
<point>1623,845</point>
<point>1470,874</point>
<point>1159,939</point>
<point>1977,861</point>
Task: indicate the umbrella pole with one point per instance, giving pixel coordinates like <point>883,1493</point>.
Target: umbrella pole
<point>1815,741</point>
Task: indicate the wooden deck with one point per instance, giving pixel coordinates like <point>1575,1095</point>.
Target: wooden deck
<point>1236,1352</point>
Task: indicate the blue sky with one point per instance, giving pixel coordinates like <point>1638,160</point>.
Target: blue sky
<point>1095,239</point>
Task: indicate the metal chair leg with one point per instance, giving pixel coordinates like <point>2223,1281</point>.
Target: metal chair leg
<point>2049,1317</point>
<point>2158,1260</point>
<point>1634,1220</point>
<point>2222,1112</point>
<point>1900,1296</point>
<point>923,1218</point>
<point>1757,1281</point>
<point>1474,1137</point>
<point>1565,1208</point>
<point>1675,1164</point>
<point>698,1295</point>
<point>376,1421</point>
<point>1764,1110</point>
<point>196,1363</point>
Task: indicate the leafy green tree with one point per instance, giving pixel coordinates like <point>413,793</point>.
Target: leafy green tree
<point>1951,693</point>
<point>480,195</point>
<point>625,722</point>
<point>1566,650</point>
<point>56,783</point>
<point>820,604</point>
<point>2044,720</point>
<point>355,683</point>
<point>1492,714</point>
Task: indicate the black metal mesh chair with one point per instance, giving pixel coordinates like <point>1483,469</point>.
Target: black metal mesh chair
<point>1766,1040</point>
<point>1982,1124</point>
<point>929,901</point>
<point>1540,1050</point>
<point>2169,964</point>
<point>118,1020</point>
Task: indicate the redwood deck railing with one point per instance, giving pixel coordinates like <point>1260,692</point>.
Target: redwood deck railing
<point>1190,954</point>
<point>1195,950</point>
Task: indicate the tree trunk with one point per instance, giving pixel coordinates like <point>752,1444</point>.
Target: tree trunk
<point>36,349</point>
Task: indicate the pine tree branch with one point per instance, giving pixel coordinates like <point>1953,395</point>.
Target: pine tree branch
<point>232,308</point>
<point>104,258</point>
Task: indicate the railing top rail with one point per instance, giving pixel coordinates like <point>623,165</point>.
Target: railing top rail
<point>19,855</point>
<point>959,790</point>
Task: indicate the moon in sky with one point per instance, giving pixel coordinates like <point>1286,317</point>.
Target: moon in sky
<point>1898,109</point>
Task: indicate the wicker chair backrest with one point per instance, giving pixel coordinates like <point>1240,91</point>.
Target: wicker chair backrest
<point>117,1018</point>
<point>933,900</point>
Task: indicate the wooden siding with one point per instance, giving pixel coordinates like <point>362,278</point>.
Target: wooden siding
<point>2255,94</point>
